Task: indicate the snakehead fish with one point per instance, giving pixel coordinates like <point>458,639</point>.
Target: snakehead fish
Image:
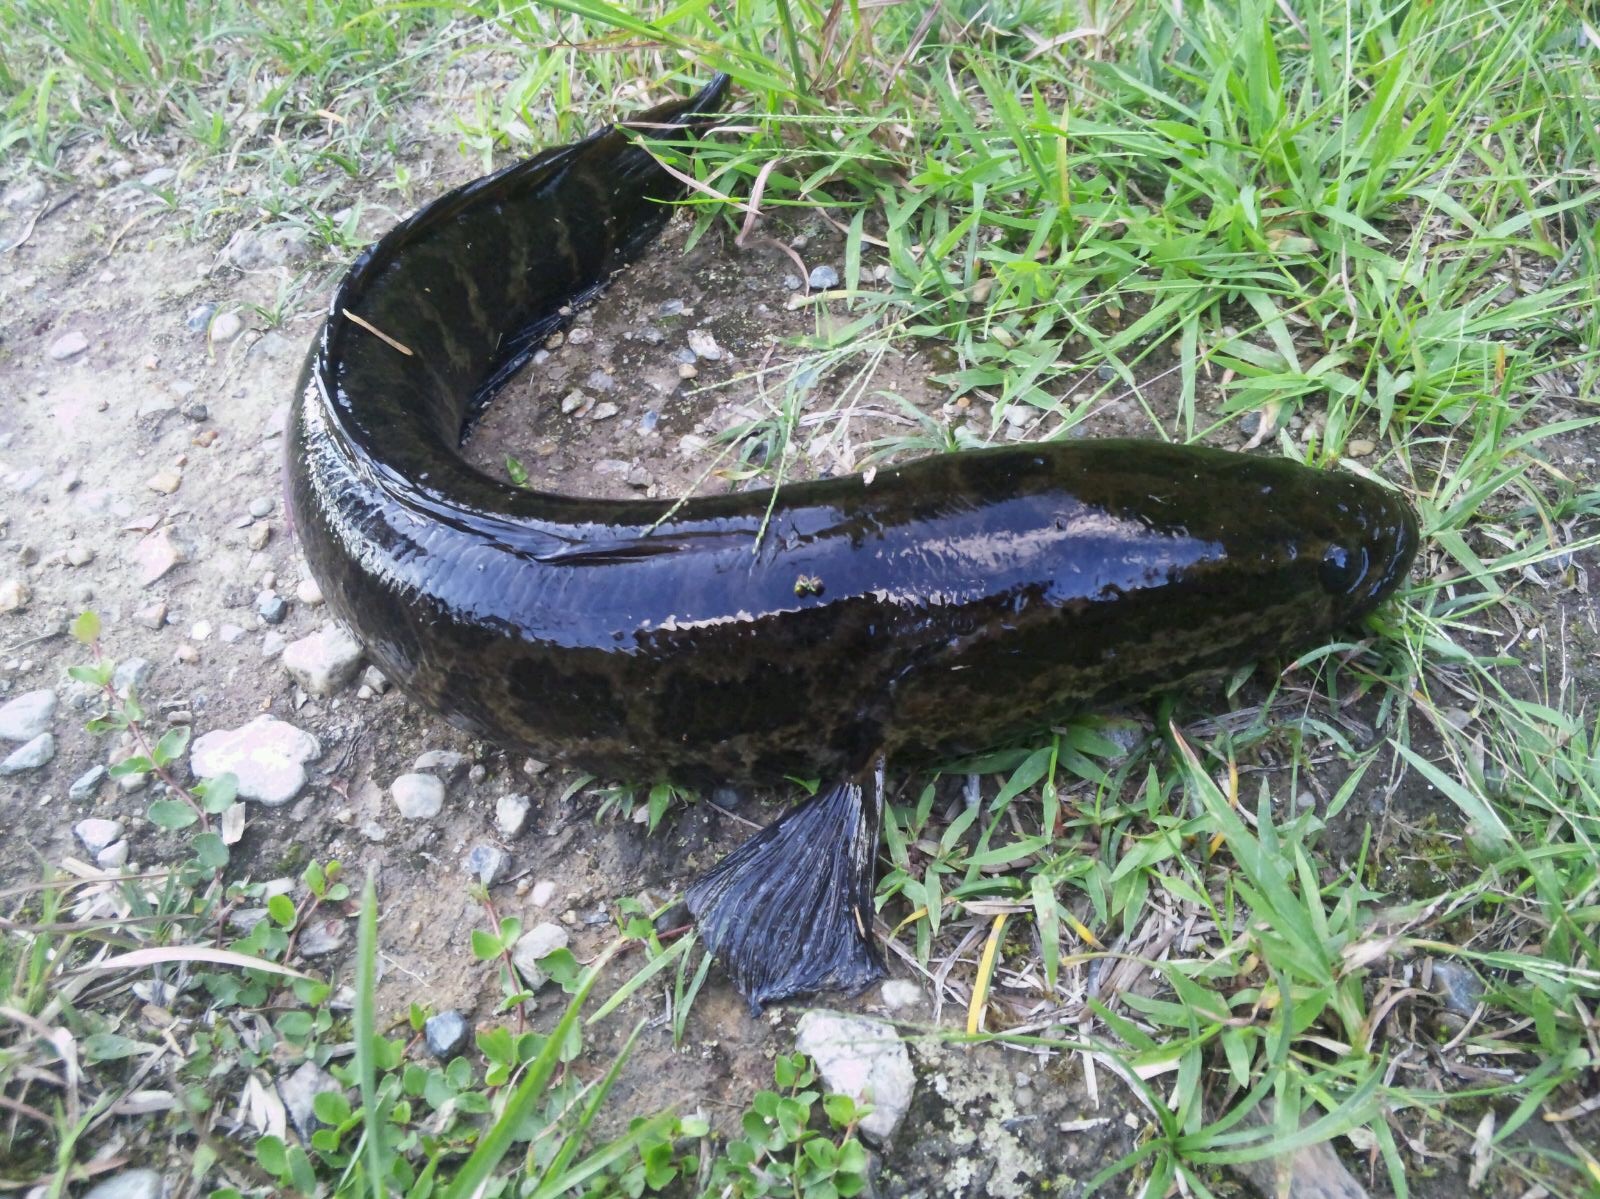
<point>932,609</point>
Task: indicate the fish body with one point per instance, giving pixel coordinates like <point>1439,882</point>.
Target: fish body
<point>928,610</point>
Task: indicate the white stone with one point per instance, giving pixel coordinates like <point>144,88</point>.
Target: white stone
<point>129,1184</point>
<point>864,1059</point>
<point>267,755</point>
<point>24,718</point>
<point>511,813</point>
<point>308,593</point>
<point>418,796</point>
<point>96,832</point>
<point>68,345</point>
<point>446,762</point>
<point>543,892</point>
<point>113,856</point>
<point>539,941</point>
<point>901,993</point>
<point>325,661</point>
<point>704,345</point>
<point>156,554</point>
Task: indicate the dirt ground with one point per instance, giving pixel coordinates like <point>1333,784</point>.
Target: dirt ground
<point>91,445</point>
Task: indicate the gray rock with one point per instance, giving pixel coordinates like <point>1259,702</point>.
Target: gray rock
<point>273,246</point>
<point>152,616</point>
<point>486,863</point>
<point>129,1184</point>
<point>131,675</point>
<point>199,317</point>
<point>14,595</point>
<point>86,784</point>
<point>68,345</point>
<point>24,718</point>
<point>445,762</point>
<point>864,1059</point>
<point>96,832</point>
<point>113,856</point>
<point>26,193</point>
<point>511,813</point>
<point>308,593</point>
<point>1457,986</point>
<point>272,644</point>
<point>261,506</point>
<point>704,345</point>
<point>271,606</point>
<point>822,278</point>
<point>418,796</point>
<point>446,1034</point>
<point>325,661</point>
<point>267,755</point>
<point>299,1090</point>
<point>540,941</point>
<point>30,756</point>
<point>374,678</point>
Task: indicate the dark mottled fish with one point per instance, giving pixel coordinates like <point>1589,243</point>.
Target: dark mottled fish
<point>934,609</point>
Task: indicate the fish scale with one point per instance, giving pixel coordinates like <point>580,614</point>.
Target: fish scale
<point>924,611</point>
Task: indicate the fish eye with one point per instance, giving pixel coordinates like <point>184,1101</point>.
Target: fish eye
<point>1343,570</point>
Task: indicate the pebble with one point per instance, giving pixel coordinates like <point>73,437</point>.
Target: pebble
<point>864,1059</point>
<point>604,410</point>
<point>30,756</point>
<point>225,327</point>
<point>260,506</point>
<point>196,411</point>
<point>901,993</point>
<point>580,336</point>
<point>1359,448</point>
<point>26,194</point>
<point>24,718</point>
<point>1457,986</point>
<point>113,856</point>
<point>86,784</point>
<point>68,345</point>
<point>96,832</point>
<point>446,762</point>
<point>308,593</point>
<point>230,633</point>
<point>129,1184</point>
<point>151,616</point>
<point>321,937</point>
<point>200,630</point>
<point>704,345</point>
<point>573,401</point>
<point>165,481</point>
<point>373,679</point>
<point>822,278</point>
<point>418,796</point>
<point>600,381</point>
<point>268,756</point>
<point>791,282</point>
<point>258,536</point>
<point>543,892</point>
<point>14,595</point>
<point>325,661</point>
<point>199,317</point>
<point>270,606</point>
<point>672,308</point>
<point>687,370</point>
<point>272,644</point>
<point>446,1034</point>
<point>538,942</point>
<point>486,863</point>
<point>511,813</point>
<point>131,675</point>
<point>79,555</point>
<point>156,554</point>
<point>478,773</point>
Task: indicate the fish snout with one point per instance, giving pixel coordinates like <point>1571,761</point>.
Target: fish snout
<point>1362,568</point>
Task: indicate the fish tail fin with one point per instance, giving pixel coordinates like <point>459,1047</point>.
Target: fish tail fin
<point>790,910</point>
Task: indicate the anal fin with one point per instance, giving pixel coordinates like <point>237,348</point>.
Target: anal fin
<point>790,910</point>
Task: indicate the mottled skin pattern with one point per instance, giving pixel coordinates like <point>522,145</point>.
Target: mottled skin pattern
<point>935,608</point>
<point>939,607</point>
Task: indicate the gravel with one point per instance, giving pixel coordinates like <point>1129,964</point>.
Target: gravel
<point>540,941</point>
<point>271,606</point>
<point>486,863</point>
<point>68,345</point>
<point>96,832</point>
<point>86,784</point>
<point>446,1034</point>
<point>822,277</point>
<point>30,756</point>
<point>511,814</point>
<point>129,1184</point>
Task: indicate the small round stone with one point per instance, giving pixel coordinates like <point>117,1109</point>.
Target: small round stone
<point>486,863</point>
<point>226,326</point>
<point>272,607</point>
<point>260,506</point>
<point>418,796</point>
<point>822,278</point>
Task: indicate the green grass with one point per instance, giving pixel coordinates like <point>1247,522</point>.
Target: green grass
<point>1365,222</point>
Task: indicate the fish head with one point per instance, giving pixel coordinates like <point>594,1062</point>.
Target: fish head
<point>1367,549</point>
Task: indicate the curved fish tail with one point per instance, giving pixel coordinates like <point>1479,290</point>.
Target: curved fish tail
<point>790,910</point>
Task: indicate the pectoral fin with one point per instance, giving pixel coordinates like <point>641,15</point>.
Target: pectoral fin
<point>790,910</point>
